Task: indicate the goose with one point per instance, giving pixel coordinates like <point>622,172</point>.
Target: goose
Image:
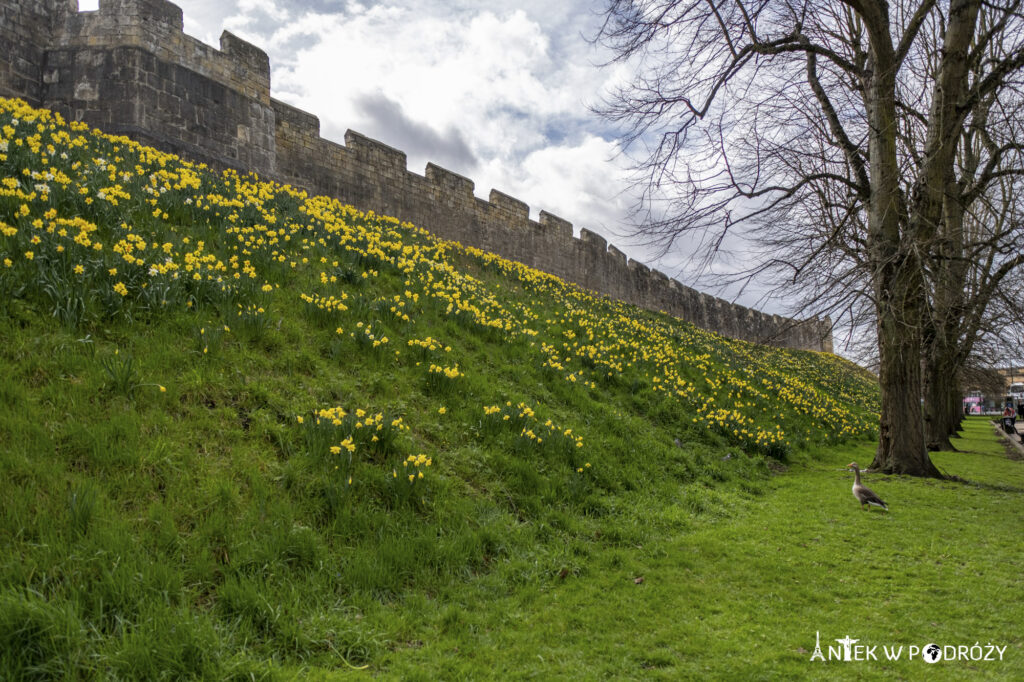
<point>864,494</point>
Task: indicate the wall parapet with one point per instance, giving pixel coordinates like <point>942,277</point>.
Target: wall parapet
<point>157,26</point>
<point>130,69</point>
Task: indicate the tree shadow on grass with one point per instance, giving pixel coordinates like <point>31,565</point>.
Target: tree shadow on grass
<point>1000,487</point>
<point>1012,452</point>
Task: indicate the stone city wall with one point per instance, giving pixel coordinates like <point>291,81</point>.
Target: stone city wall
<point>129,69</point>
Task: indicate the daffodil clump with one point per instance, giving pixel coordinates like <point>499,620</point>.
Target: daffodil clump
<point>532,435</point>
<point>412,467</point>
<point>210,337</point>
<point>741,429</point>
<point>442,380</point>
<point>341,457</point>
<point>121,373</point>
<point>252,320</point>
<point>508,416</point>
<point>326,310</point>
<point>410,484</point>
<point>375,432</point>
<point>354,442</point>
<point>428,347</point>
<point>393,308</point>
<point>368,339</point>
<point>581,482</point>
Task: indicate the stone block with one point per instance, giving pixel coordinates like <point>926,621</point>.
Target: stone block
<point>448,181</point>
<point>298,120</point>
<point>638,269</point>
<point>617,257</point>
<point>595,241</point>
<point>247,54</point>
<point>145,12</point>
<point>379,156</point>
<point>87,91</point>
<point>555,225</point>
<point>516,209</point>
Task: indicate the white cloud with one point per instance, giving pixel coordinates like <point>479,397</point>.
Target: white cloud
<point>270,8</point>
<point>485,75</point>
<point>489,79</point>
<point>576,182</point>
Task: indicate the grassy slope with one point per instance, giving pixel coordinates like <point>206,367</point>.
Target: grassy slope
<point>174,517</point>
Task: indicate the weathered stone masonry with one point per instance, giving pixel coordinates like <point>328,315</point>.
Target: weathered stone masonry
<point>129,69</point>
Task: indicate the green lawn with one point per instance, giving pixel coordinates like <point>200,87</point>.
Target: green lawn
<point>739,591</point>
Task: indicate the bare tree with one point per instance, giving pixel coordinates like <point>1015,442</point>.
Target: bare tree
<point>748,113</point>
<point>970,304</point>
<point>970,254</point>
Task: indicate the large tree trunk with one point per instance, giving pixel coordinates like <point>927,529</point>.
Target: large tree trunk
<point>945,352</point>
<point>901,443</point>
<point>896,273</point>
<point>897,258</point>
<point>942,416</point>
<point>956,409</point>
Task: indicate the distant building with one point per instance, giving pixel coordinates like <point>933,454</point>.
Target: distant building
<point>988,390</point>
<point>1014,377</point>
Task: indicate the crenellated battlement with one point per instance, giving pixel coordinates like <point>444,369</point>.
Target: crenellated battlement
<point>555,225</point>
<point>449,182</point>
<point>129,68</point>
<point>157,26</point>
<point>141,13</point>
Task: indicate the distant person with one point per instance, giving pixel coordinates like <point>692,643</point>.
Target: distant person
<point>1020,415</point>
<point>1009,418</point>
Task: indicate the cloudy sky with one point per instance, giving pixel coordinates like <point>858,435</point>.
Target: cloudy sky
<point>498,91</point>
